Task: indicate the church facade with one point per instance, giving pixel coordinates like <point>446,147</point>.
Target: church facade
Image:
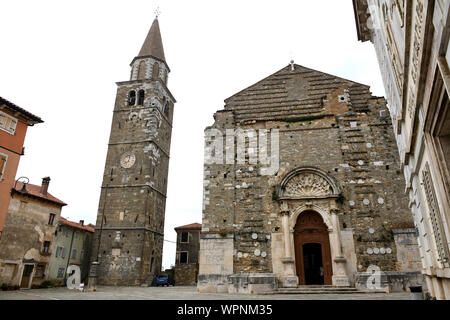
<point>128,240</point>
<point>326,207</point>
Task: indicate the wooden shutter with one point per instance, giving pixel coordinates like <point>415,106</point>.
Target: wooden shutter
<point>2,165</point>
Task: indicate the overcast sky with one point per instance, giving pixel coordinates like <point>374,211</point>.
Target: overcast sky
<point>60,60</point>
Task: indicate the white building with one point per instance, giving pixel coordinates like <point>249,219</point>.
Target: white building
<point>411,39</point>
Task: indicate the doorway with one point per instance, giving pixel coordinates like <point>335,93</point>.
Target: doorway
<point>312,262</point>
<point>312,250</point>
<point>26,276</point>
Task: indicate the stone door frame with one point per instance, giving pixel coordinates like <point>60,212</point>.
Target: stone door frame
<point>310,189</point>
<point>30,280</point>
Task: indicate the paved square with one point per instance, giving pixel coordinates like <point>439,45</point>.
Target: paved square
<point>179,293</point>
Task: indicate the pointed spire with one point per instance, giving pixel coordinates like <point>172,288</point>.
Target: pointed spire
<point>153,43</point>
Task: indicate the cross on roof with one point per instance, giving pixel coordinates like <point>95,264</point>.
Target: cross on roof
<point>157,12</point>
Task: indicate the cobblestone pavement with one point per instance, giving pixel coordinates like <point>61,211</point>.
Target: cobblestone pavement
<point>179,293</point>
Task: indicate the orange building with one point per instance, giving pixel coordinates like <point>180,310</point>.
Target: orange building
<point>14,122</point>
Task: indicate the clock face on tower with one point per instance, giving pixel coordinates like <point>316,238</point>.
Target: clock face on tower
<point>127,160</point>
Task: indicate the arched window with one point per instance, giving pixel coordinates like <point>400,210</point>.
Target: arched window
<point>155,71</point>
<point>131,98</point>
<point>166,108</point>
<point>142,69</point>
<point>141,98</point>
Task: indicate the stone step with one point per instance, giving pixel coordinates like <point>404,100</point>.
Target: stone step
<point>317,289</point>
<point>315,292</point>
<point>306,288</point>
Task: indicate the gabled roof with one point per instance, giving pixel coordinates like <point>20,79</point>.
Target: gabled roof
<point>192,226</point>
<point>290,93</point>
<point>75,224</point>
<point>34,191</point>
<point>153,45</point>
<point>32,119</point>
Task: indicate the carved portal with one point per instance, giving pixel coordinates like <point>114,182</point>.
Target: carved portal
<point>303,183</point>
<point>311,194</point>
<point>307,185</point>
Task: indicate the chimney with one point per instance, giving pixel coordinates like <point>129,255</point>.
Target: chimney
<point>44,186</point>
<point>82,222</point>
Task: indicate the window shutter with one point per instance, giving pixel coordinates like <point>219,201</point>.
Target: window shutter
<point>2,165</point>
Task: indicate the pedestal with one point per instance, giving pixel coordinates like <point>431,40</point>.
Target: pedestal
<point>340,278</point>
<point>289,279</point>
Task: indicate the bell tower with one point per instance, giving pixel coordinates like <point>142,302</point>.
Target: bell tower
<point>129,232</point>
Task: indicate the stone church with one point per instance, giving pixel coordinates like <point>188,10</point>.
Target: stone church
<point>332,213</point>
<point>127,249</point>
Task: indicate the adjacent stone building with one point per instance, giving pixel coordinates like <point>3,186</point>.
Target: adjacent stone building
<point>188,247</point>
<point>303,186</point>
<point>411,40</point>
<point>72,243</point>
<point>29,233</point>
<point>14,122</point>
<point>128,241</point>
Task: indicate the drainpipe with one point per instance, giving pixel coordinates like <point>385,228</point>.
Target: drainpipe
<point>70,253</point>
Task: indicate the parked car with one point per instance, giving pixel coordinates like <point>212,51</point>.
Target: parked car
<point>162,280</point>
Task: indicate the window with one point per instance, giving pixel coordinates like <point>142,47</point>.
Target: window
<point>166,109</point>
<point>74,253</point>
<point>40,270</point>
<point>60,273</point>
<point>57,252</point>
<point>142,69</point>
<point>155,71</point>
<point>76,235</point>
<point>141,97</point>
<point>46,247</point>
<point>7,123</point>
<point>132,98</point>
<point>63,252</point>
<point>184,237</point>
<point>3,159</point>
<point>51,219</point>
<point>183,257</point>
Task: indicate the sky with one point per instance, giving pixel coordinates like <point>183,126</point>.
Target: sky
<point>61,59</point>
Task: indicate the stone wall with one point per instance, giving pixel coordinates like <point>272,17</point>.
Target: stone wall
<point>336,127</point>
<point>128,240</point>
<point>25,231</point>
<point>186,274</point>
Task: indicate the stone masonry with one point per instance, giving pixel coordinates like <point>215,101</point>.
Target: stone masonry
<point>332,131</point>
<point>128,237</point>
<point>188,247</point>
